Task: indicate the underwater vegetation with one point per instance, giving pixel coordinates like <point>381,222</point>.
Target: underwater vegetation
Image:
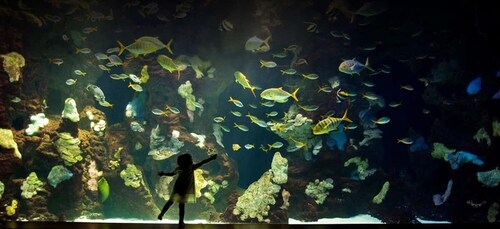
<point>315,109</point>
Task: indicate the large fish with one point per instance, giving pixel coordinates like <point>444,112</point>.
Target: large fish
<point>329,124</point>
<point>255,44</point>
<point>145,45</point>
<point>278,94</point>
<point>353,66</point>
<point>243,81</point>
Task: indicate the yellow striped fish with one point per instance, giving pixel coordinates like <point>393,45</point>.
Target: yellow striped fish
<point>243,81</point>
<point>328,124</point>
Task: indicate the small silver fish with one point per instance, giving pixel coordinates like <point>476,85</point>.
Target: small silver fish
<point>71,81</point>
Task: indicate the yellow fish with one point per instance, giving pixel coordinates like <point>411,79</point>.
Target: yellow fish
<point>278,94</point>
<point>328,124</point>
<point>236,147</point>
<point>243,81</point>
<point>145,45</point>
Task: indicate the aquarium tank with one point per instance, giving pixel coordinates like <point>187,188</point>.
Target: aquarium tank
<point>386,111</point>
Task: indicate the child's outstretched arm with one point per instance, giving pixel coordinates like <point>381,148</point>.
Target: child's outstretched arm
<point>211,158</point>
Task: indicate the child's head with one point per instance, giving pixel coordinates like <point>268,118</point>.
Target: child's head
<point>184,160</point>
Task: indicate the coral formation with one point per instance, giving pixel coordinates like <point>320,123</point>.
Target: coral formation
<point>58,174</point>
<point>70,112</point>
<point>11,209</point>
<point>199,182</point>
<point>337,138</point>
<point>31,185</point>
<point>482,135</point>
<point>162,188</point>
<point>370,134</point>
<point>319,189</point>
<point>362,171</point>
<point>440,151</point>
<point>493,212</point>
<point>160,149</point>
<point>218,134</point>
<point>12,64</point>
<point>68,148</point>
<point>93,175</point>
<point>185,90</point>
<point>279,169</point>
<point>132,176</point>
<point>200,140</point>
<point>495,125</point>
<point>489,178</point>
<point>256,201</point>
<point>462,157</point>
<point>2,189</point>
<point>377,199</point>
<point>7,142</point>
<point>38,121</point>
<point>286,197</point>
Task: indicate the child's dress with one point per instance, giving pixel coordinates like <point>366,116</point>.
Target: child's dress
<point>184,186</point>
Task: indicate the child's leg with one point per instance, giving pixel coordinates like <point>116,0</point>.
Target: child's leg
<point>181,213</point>
<point>165,209</point>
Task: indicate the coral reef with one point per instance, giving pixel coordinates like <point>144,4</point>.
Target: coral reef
<point>162,187</point>
<point>38,121</point>
<point>185,90</point>
<point>92,176</point>
<point>161,149</point>
<point>370,134</point>
<point>493,212</point>
<point>2,189</point>
<point>200,140</point>
<point>481,135</point>
<point>199,182</point>
<point>362,171</point>
<point>31,185</point>
<point>132,176</point>
<point>495,125</point>
<point>377,199</point>
<point>70,112</point>
<point>7,142</point>
<point>462,157</point>
<point>319,189</point>
<point>13,63</point>
<point>11,209</point>
<point>58,174</point>
<point>68,148</point>
<point>279,169</point>
<point>489,178</point>
<point>440,151</point>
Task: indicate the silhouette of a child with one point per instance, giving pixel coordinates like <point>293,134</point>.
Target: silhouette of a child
<point>184,185</point>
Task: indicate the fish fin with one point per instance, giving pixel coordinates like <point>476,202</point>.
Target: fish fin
<point>367,64</point>
<point>122,48</point>
<point>266,41</point>
<point>345,118</point>
<point>252,90</point>
<point>78,50</point>
<point>167,46</point>
<point>294,94</point>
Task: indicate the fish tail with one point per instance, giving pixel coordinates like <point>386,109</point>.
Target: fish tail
<point>122,48</point>
<point>167,46</point>
<point>266,41</point>
<point>367,64</point>
<point>252,90</point>
<point>294,94</point>
<point>78,50</point>
<point>345,118</point>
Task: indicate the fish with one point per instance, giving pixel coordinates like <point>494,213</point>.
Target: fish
<point>235,102</point>
<point>56,61</point>
<point>83,50</point>
<point>255,44</point>
<point>370,96</point>
<point>382,120</point>
<point>241,127</point>
<point>219,119</point>
<point>289,71</point>
<point>103,187</point>
<point>174,110</point>
<point>261,123</point>
<point>474,86</point>
<point>226,26</point>
<point>275,145</point>
<point>96,91</point>
<point>278,94</point>
<point>300,61</point>
<point>352,66</point>
<point>406,141</point>
<point>15,99</point>
<point>272,114</point>
<point>329,124</point>
<point>309,108</point>
<point>71,81</point>
<point>311,27</point>
<point>241,79</point>
<point>101,56</point>
<point>134,78</point>
<point>224,128</point>
<point>280,55</point>
<point>372,8</point>
<point>249,146</point>
<point>105,103</point>
<point>136,87</point>
<point>236,113</point>
<point>311,76</point>
<point>171,65</point>
<point>368,83</point>
<point>157,111</point>
<point>115,60</point>
<point>395,104</point>
<point>267,103</point>
<point>113,50</point>
<point>350,126</point>
<point>236,147</point>
<point>80,73</point>
<point>65,37</point>
<point>88,30</point>
<point>326,89</point>
<point>145,45</point>
<point>407,87</point>
<point>267,64</point>
<point>104,68</point>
